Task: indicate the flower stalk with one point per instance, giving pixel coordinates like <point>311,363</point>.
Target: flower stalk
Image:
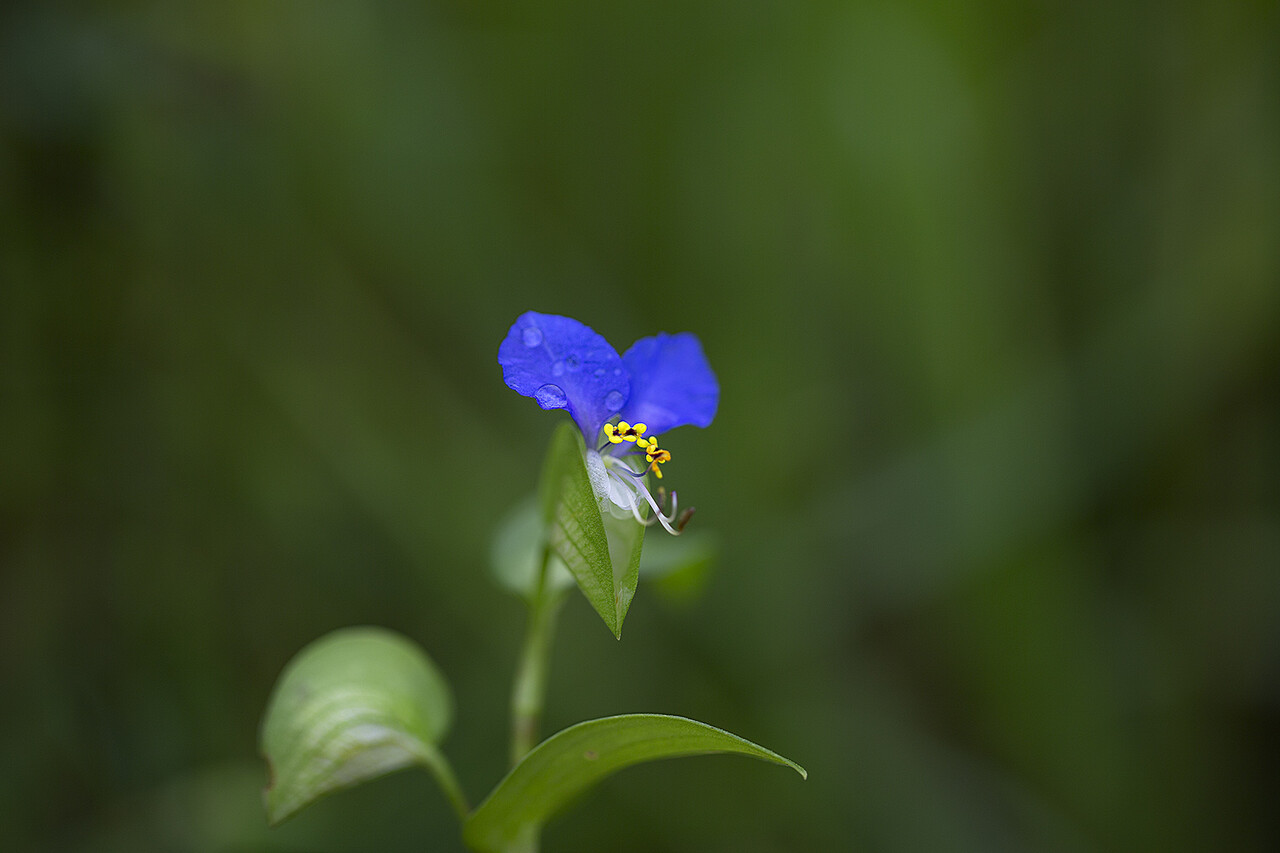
<point>529,688</point>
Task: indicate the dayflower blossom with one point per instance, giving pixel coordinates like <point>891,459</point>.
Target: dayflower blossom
<point>660,383</point>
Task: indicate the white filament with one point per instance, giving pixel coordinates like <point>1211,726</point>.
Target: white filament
<point>631,488</point>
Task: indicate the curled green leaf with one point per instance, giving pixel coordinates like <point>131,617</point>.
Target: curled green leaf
<point>353,705</point>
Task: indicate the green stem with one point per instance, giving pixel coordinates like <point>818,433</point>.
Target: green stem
<point>529,689</point>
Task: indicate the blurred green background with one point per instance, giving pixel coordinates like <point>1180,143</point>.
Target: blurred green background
<point>993,292</point>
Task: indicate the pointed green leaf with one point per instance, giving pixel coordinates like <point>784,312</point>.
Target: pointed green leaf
<point>602,553</point>
<point>353,705</point>
<point>570,762</point>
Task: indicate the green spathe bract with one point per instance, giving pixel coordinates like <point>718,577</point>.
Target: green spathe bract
<point>601,552</point>
<point>568,763</point>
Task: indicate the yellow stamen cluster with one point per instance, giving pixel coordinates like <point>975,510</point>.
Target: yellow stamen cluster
<point>634,433</point>
<point>655,455</point>
<point>625,432</point>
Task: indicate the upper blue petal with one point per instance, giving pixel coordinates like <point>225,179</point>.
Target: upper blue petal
<point>671,383</point>
<point>565,365</point>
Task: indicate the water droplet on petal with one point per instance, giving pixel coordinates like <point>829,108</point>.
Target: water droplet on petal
<point>613,400</point>
<point>550,397</point>
<point>532,336</point>
<point>599,372</point>
<point>557,369</point>
<point>617,371</point>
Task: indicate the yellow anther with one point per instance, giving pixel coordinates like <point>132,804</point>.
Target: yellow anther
<point>624,432</point>
<point>655,455</point>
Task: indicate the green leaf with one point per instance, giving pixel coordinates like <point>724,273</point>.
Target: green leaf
<point>518,546</point>
<point>353,705</point>
<point>568,763</point>
<point>602,553</point>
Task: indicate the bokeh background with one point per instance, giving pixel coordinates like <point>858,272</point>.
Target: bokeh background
<point>992,291</point>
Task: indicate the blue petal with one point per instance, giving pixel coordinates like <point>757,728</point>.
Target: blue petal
<point>565,365</point>
<point>671,383</point>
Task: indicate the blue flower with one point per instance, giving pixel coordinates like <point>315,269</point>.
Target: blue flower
<point>660,383</point>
